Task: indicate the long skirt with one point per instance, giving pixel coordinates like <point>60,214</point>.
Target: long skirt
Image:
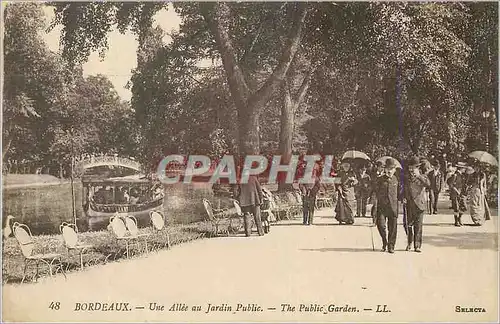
<point>476,206</point>
<point>487,211</point>
<point>345,210</point>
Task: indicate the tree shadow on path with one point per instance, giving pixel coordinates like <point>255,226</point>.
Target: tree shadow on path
<point>466,241</point>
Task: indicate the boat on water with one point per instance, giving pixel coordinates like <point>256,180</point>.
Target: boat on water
<point>115,185</point>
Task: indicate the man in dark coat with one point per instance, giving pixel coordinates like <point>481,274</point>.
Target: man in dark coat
<point>414,193</point>
<point>388,193</point>
<point>363,190</point>
<point>377,172</point>
<point>436,178</point>
<point>250,198</point>
<point>309,192</point>
<point>456,184</point>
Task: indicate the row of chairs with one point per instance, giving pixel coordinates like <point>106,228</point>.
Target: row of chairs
<point>290,204</point>
<point>324,201</point>
<point>276,207</point>
<point>233,217</point>
<point>124,228</point>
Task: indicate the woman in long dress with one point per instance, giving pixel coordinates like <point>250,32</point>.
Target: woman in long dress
<point>475,197</point>
<point>485,189</point>
<point>346,201</point>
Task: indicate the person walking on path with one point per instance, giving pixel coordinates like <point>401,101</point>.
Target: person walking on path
<point>424,168</point>
<point>250,198</point>
<point>377,172</point>
<point>388,194</point>
<point>346,199</point>
<point>476,196</point>
<point>456,182</point>
<point>437,179</point>
<point>414,192</point>
<point>363,192</point>
<point>309,192</point>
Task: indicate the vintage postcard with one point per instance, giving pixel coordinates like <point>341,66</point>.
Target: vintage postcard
<point>210,162</point>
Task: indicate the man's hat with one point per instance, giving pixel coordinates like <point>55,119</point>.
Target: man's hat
<point>390,163</point>
<point>413,162</point>
<point>461,165</point>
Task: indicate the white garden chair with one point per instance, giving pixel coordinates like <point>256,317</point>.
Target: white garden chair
<point>158,222</point>
<point>126,230</point>
<point>22,233</point>
<point>215,217</point>
<point>70,237</point>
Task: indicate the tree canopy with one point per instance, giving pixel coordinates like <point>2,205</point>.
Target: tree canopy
<point>387,78</point>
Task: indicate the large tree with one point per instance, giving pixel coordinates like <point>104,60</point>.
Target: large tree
<point>86,27</point>
<point>34,81</point>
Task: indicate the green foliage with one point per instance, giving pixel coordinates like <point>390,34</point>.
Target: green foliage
<point>34,78</point>
<point>51,112</point>
<point>87,24</point>
<point>407,77</point>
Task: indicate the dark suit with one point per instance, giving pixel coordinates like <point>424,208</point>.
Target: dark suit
<point>436,184</point>
<point>387,192</point>
<point>414,192</point>
<point>250,198</point>
<point>363,191</point>
<point>373,194</point>
<point>456,184</point>
<point>309,192</point>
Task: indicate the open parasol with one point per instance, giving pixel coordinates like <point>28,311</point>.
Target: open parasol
<point>355,155</point>
<point>385,158</point>
<point>484,157</point>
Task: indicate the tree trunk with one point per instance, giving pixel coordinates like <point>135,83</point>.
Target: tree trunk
<point>286,135</point>
<point>6,147</point>
<point>287,124</point>
<point>249,103</point>
<point>249,135</point>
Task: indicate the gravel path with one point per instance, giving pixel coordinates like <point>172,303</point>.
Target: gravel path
<point>316,266</point>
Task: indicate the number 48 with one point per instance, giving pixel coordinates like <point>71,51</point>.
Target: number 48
<point>54,305</point>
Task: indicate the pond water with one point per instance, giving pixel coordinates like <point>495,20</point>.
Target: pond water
<point>44,208</point>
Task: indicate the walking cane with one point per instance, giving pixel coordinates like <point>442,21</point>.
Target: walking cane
<point>371,230</point>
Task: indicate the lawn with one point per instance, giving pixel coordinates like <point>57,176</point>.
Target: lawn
<point>25,179</point>
<point>106,248</point>
<point>43,209</point>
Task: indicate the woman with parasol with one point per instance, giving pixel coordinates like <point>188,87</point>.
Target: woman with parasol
<point>346,202</point>
<point>484,161</point>
<point>475,191</point>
